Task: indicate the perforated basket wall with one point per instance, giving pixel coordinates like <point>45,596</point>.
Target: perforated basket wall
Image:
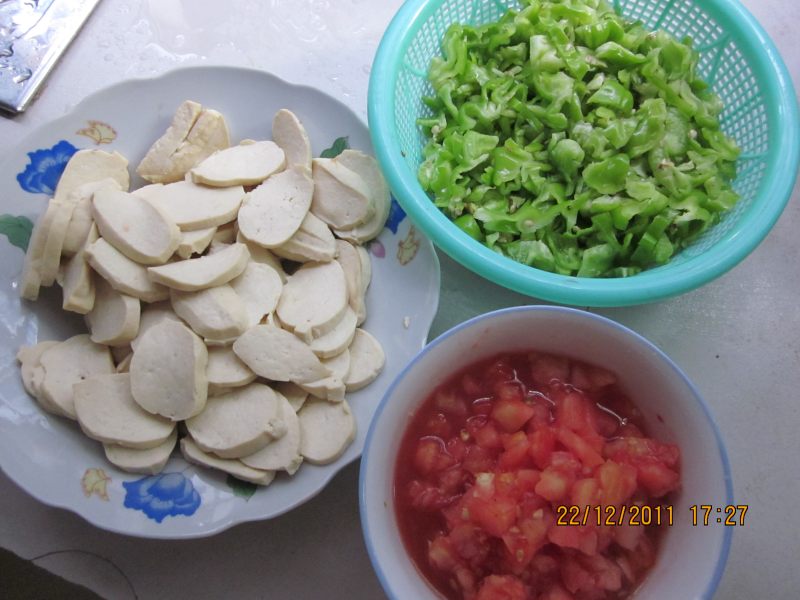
<point>722,65</point>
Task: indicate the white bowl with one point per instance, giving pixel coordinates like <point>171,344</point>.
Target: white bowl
<point>691,559</point>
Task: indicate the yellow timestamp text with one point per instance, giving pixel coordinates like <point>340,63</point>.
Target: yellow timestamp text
<point>610,515</point>
<point>730,515</point>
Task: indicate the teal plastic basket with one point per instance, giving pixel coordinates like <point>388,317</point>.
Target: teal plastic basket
<point>738,59</point>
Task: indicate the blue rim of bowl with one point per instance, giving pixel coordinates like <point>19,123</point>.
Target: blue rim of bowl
<point>649,286</point>
<point>639,339</point>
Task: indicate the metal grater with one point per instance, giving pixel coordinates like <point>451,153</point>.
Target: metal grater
<point>33,36</point>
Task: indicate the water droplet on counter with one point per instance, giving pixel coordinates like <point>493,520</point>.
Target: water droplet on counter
<point>23,75</point>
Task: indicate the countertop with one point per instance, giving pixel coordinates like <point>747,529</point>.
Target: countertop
<point>738,338</point>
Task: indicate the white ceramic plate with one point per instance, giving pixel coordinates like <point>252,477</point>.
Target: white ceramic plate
<point>47,455</point>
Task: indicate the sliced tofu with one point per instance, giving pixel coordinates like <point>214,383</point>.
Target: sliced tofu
<point>348,258</point>
<point>326,430</point>
<point>332,387</point>
<point>114,320</point>
<point>341,197</point>
<point>217,314</point>
<point>366,361</point>
<point>294,394</point>
<point>135,227</point>
<point>168,371</point>
<point>76,279</point>
<point>337,339</point>
<point>225,370</point>
<point>204,272</point>
<point>31,369</point>
<point>195,242</point>
<point>239,422</point>
<point>69,362</point>
<point>194,134</point>
<point>246,164</point>
<point>366,278</point>
<point>150,461</point>
<point>367,168</point>
<point>194,206</point>
<point>51,253</point>
<point>193,454</point>
<point>259,286</point>
<point>273,212</point>
<point>282,454</point>
<point>124,275</point>
<point>107,413</point>
<point>289,133</point>
<point>91,166</point>
<point>314,299</point>
<point>278,355</point>
<point>31,281</point>
<point>151,315</point>
<point>82,220</point>
<point>312,242</point>
<point>260,254</point>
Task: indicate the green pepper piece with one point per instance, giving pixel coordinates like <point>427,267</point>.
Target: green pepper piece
<point>567,155</point>
<point>608,176</point>
<point>596,260</point>
<point>615,54</point>
<point>470,226</point>
<point>613,95</point>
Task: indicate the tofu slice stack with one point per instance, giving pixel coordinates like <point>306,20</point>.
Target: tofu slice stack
<point>227,294</point>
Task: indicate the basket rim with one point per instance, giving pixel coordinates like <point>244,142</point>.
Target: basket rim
<point>782,158</point>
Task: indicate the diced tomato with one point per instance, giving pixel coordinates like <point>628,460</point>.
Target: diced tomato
<point>590,378</point>
<point>546,368</point>
<point>607,575</point>
<point>482,406</point>
<point>470,542</point>
<point>574,411</point>
<point>501,587</point>
<point>627,535</point>
<point>511,414</point>
<point>553,485</point>
<point>427,497</point>
<point>584,492</point>
<point>494,515</point>
<point>517,453</point>
<point>657,479</point>
<point>617,482</point>
<point>578,446</point>
<point>574,536</point>
<point>488,437</point>
<point>431,456</point>
<point>456,448</point>
<point>543,442</point>
<point>478,460</point>
<point>451,403</point>
<point>451,482</point>
<point>542,416</point>
<point>556,592</point>
<point>575,576</point>
<point>652,460</point>
<point>438,426</point>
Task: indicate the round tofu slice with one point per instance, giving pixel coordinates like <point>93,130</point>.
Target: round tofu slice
<point>31,369</point>
<point>107,413</point>
<point>195,242</point>
<point>217,314</point>
<point>208,271</point>
<point>51,253</point>
<point>312,242</point>
<point>274,211</point>
<point>326,430</point>
<point>77,282</point>
<point>247,164</point>
<point>150,461</point>
<point>194,206</point>
<point>282,454</point>
<point>367,168</point>
<point>294,394</point>
<point>337,339</point>
<point>259,286</point>
<point>114,320</point>
<point>260,254</point>
<point>366,278</point>
<point>70,362</point>
<point>193,454</point>
<point>168,371</point>
<point>90,166</point>
<point>278,355</point>
<point>289,133</point>
<point>341,197</point>
<point>331,388</point>
<point>225,370</point>
<point>31,266</point>
<point>135,227</point>
<point>238,422</point>
<point>82,220</point>
<point>151,315</point>
<point>124,274</point>
<point>314,299</point>
<point>366,361</point>
<point>348,259</point>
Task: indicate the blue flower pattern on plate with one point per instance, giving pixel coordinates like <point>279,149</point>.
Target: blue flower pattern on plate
<point>161,496</point>
<point>45,168</point>
<point>396,216</point>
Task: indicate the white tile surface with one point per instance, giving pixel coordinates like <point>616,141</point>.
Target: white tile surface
<point>738,338</point>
